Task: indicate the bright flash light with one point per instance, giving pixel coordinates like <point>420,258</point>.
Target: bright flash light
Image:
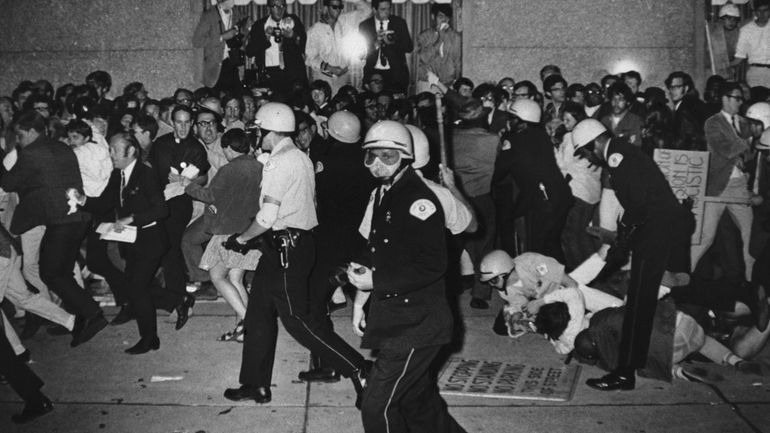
<point>625,65</point>
<point>354,47</point>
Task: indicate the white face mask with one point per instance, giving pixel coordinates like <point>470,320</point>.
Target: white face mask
<point>443,26</point>
<point>380,170</point>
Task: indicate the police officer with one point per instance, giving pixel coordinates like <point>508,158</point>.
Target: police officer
<point>409,317</point>
<point>285,218</point>
<point>655,227</point>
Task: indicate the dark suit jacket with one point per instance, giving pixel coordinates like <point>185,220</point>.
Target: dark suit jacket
<point>44,172</point>
<point>206,36</point>
<point>293,48</point>
<point>726,148</point>
<point>395,53</point>
<point>629,127</point>
<point>688,124</point>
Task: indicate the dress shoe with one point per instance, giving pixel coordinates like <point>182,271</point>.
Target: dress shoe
<point>325,375</point>
<point>183,311</point>
<point>612,382</point>
<point>259,394</point>
<point>33,411</point>
<point>144,345</point>
<point>32,324</point>
<point>124,316</point>
<point>479,304</point>
<point>85,329</point>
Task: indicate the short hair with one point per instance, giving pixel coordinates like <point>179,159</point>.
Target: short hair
<point>621,88</point>
<point>684,76</point>
<point>605,79</point>
<point>37,98</point>
<point>301,117</point>
<point>323,86</point>
<point>202,93</point>
<point>462,81</point>
<point>165,104</point>
<point>101,78</point>
<point>236,139</point>
<point>552,320</point>
<point>484,88</point>
<point>31,120</point>
<point>444,8</point>
<point>130,141</point>
<point>728,87</point>
<point>575,88</point>
<point>182,90</point>
<point>575,110</point>
<point>79,127</point>
<point>553,80</point>
<point>230,97</point>
<point>633,75</point>
<point>553,69</point>
<point>150,101</point>
<point>376,3</point>
<point>132,88</point>
<point>183,108</point>
<point>531,89</point>
<point>147,123</point>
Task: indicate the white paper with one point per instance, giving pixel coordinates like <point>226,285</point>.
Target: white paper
<point>107,232</point>
<point>173,190</point>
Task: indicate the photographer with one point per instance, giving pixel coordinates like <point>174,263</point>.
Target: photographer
<point>277,43</point>
<point>388,40</point>
<point>220,63</point>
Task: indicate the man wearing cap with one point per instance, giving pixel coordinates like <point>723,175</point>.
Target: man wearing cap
<point>656,229</point>
<point>342,190</point>
<point>402,273</point>
<point>474,152</point>
<point>280,285</point>
<point>753,46</point>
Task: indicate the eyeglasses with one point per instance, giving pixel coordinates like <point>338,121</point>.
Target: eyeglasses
<point>738,98</point>
<point>205,123</point>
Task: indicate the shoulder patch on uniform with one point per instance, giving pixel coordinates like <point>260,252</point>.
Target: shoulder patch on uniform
<point>542,269</point>
<point>506,145</point>
<point>422,209</point>
<point>319,167</point>
<point>614,160</point>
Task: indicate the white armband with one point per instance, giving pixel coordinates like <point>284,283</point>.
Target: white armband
<point>267,215</point>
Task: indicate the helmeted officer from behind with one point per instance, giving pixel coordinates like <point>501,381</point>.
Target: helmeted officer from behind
<point>403,273</point>
<point>656,229</point>
<point>280,285</point>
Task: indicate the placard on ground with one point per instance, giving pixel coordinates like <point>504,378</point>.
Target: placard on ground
<point>498,379</point>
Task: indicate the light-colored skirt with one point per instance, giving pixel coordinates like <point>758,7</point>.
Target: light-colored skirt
<point>215,253</point>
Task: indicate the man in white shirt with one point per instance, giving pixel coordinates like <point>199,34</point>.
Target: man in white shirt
<point>754,46</point>
<point>324,49</point>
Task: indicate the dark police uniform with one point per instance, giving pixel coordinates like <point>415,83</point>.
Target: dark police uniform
<point>280,284</point>
<point>660,242</point>
<point>409,317</point>
<point>141,197</point>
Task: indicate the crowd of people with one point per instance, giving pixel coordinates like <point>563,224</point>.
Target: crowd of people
<point>286,194</point>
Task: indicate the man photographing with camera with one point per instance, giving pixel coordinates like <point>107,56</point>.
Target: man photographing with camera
<point>277,43</point>
<point>388,40</point>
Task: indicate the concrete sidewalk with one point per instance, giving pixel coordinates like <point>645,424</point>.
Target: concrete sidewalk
<point>98,388</point>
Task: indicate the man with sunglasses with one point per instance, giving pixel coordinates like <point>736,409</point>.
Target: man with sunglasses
<point>728,136</point>
<point>402,273</point>
<point>324,50</point>
<point>277,43</point>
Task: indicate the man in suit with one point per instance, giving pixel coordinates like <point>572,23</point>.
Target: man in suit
<point>277,43</point>
<point>689,112</point>
<point>388,40</point>
<point>655,228</point>
<point>176,151</point>
<point>214,28</point>
<point>46,169</point>
<point>728,137</point>
<point>133,194</point>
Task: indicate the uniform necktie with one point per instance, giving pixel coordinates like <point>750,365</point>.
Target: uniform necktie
<point>383,59</point>
<point>122,185</point>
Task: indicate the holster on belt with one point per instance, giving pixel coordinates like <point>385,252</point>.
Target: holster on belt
<point>283,241</point>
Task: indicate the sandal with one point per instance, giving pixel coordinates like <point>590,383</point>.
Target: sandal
<point>234,335</point>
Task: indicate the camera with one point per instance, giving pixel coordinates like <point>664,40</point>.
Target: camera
<point>278,35</point>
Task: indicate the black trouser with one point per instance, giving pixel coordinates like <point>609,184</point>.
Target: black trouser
<point>282,80</point>
<point>229,80</point>
<point>401,395</point>
<point>481,242</point>
<point>179,214</point>
<point>98,262</point>
<point>545,223</point>
<point>142,262</point>
<point>276,291</point>
<point>335,246</point>
<point>58,251</point>
<point>18,374</point>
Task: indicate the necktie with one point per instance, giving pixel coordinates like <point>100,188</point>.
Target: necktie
<point>122,186</point>
<point>736,125</point>
<point>383,59</point>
